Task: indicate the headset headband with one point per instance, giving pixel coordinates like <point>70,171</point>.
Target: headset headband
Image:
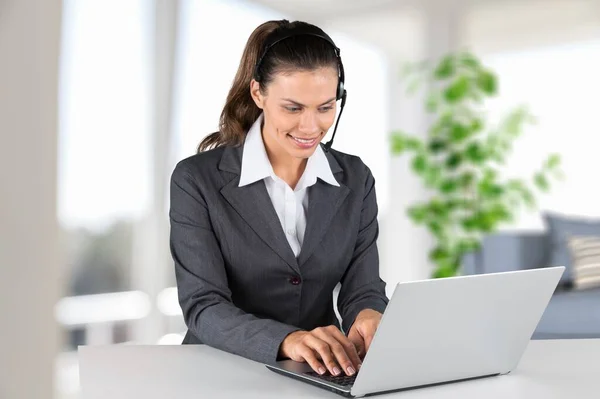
<point>281,34</point>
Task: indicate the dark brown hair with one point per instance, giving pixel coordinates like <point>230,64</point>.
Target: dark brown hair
<point>303,52</point>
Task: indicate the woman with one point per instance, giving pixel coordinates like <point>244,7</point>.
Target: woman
<point>267,222</point>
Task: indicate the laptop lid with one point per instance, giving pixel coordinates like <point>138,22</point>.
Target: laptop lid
<point>456,328</point>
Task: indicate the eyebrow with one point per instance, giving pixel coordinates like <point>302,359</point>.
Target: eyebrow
<point>302,105</point>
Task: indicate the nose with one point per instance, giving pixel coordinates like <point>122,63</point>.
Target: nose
<point>309,124</point>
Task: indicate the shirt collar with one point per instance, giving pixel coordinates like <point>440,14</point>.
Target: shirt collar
<point>256,165</point>
<point>255,162</point>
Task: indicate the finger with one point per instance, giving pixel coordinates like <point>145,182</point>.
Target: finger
<point>368,341</point>
<point>309,356</point>
<point>339,351</point>
<point>349,346</point>
<point>322,347</point>
<point>358,341</point>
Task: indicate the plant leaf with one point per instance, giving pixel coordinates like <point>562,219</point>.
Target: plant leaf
<point>499,213</point>
<point>438,254</point>
<point>553,161</point>
<point>418,213</point>
<point>466,179</point>
<point>454,160</point>
<point>490,191</point>
<point>445,68</point>
<point>413,143</point>
<point>432,176</point>
<point>446,268</point>
<point>468,245</point>
<point>402,142</point>
<point>436,228</point>
<point>437,145</point>
<point>475,153</point>
<point>470,61</point>
<point>476,125</point>
<point>470,223</point>
<point>513,122</point>
<point>487,82</point>
<point>457,90</point>
<point>449,186</point>
<point>458,133</point>
<point>398,143</point>
<point>414,84</point>
<point>433,103</point>
<point>541,182</point>
<point>524,193</point>
<point>419,164</point>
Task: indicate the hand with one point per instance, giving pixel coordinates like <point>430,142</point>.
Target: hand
<point>327,344</point>
<point>363,330</point>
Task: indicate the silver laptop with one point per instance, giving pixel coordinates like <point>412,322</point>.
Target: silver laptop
<point>445,330</point>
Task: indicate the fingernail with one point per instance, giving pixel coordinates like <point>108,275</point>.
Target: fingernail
<point>336,371</point>
<point>322,370</point>
<point>359,365</point>
<point>351,370</point>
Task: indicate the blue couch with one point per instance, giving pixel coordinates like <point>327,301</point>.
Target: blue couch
<point>570,313</point>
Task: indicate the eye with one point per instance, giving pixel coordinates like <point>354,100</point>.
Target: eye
<point>326,109</point>
<point>293,109</point>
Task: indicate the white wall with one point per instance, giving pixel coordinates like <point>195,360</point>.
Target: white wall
<point>516,25</point>
<point>29,258</point>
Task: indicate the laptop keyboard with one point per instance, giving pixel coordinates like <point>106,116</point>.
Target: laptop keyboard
<point>342,379</point>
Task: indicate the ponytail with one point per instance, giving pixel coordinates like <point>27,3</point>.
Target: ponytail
<point>240,111</point>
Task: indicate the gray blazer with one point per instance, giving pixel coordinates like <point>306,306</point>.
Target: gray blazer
<point>240,286</point>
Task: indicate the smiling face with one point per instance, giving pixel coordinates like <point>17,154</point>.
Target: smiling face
<point>299,108</point>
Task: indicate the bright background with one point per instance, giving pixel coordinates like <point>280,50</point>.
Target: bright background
<point>115,92</point>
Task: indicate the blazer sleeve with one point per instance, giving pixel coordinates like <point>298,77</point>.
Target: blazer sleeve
<point>361,286</point>
<point>203,291</point>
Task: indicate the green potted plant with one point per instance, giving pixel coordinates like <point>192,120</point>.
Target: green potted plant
<point>460,159</point>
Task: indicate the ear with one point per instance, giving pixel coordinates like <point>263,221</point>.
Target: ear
<point>256,95</point>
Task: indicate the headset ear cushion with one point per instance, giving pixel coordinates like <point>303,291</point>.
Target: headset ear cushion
<point>340,90</point>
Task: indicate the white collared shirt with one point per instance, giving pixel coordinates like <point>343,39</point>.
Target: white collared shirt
<point>290,205</point>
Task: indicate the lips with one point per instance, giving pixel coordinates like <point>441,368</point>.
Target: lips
<point>304,143</point>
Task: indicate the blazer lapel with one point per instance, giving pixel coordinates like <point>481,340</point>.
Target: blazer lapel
<point>253,204</point>
<point>324,201</point>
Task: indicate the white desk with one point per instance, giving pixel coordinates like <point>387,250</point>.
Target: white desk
<point>548,370</point>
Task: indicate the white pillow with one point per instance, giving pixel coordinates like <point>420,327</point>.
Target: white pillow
<point>585,254</point>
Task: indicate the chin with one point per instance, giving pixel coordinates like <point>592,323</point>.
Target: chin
<point>302,154</point>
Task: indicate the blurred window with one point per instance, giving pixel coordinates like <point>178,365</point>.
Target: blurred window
<point>560,86</point>
<point>104,145</point>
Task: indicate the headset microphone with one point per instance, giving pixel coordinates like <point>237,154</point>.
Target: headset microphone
<point>330,142</point>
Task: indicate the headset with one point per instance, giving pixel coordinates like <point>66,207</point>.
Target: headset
<point>281,34</point>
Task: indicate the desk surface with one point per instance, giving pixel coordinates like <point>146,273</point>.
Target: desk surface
<point>548,369</point>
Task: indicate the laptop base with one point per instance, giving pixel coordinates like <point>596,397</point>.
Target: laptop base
<point>347,393</point>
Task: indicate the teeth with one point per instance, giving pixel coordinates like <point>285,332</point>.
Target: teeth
<point>303,140</point>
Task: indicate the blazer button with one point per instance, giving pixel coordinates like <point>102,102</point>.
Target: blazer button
<point>295,280</point>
